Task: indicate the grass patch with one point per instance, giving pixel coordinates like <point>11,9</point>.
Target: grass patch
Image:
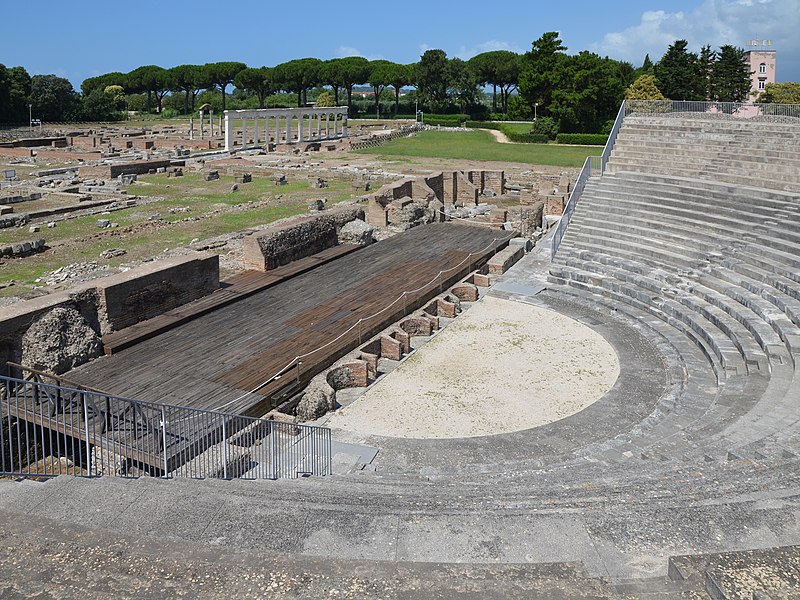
<point>481,145</point>
<point>213,210</point>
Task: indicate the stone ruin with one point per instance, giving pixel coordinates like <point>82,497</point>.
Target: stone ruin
<point>417,200</point>
<point>279,245</point>
<point>63,330</point>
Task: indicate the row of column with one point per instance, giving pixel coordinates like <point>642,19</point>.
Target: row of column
<point>309,125</point>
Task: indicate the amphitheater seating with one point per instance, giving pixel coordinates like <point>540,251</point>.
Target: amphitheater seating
<point>696,223</point>
<point>748,152</point>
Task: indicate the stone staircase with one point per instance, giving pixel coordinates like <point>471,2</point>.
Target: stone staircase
<point>692,232</point>
<point>748,152</point>
<point>667,487</point>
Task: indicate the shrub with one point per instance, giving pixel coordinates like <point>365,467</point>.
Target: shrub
<point>546,126</point>
<point>527,138</point>
<point>583,139</point>
<point>519,109</point>
<point>445,120</point>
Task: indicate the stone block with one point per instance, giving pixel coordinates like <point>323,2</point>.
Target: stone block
<point>391,348</point>
<point>465,292</point>
<point>154,288</point>
<point>554,204</point>
<point>404,339</point>
<point>417,325</point>
<point>481,280</point>
<point>283,244</point>
<point>504,260</point>
<point>349,375</point>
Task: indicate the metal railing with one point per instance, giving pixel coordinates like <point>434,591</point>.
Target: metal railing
<point>590,166</point>
<point>679,108</point>
<point>594,165</point>
<point>48,429</point>
<point>736,110</point>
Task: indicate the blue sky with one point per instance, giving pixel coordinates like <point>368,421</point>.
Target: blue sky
<point>84,38</point>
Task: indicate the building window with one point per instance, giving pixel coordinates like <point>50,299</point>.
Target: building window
<point>762,83</point>
<point>762,68</point>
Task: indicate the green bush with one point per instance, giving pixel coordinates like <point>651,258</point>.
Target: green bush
<point>484,125</point>
<point>583,139</point>
<point>511,133</point>
<point>445,120</point>
<point>546,126</point>
<point>526,138</point>
<point>519,109</point>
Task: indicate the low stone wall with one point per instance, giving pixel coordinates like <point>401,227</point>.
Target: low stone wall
<point>23,248</point>
<point>114,302</point>
<point>138,167</point>
<point>283,244</point>
<point>505,259</point>
<point>155,288</point>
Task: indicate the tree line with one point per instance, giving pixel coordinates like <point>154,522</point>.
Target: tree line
<point>571,93</point>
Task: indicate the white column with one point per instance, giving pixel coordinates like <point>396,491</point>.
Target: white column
<point>319,125</point>
<point>244,131</point>
<point>299,126</point>
<point>288,128</point>
<point>228,132</point>
<point>327,126</point>
<point>266,131</point>
<point>344,124</point>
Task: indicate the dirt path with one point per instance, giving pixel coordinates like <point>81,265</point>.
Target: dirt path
<point>500,136</point>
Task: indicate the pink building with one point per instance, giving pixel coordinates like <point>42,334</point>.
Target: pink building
<point>761,58</point>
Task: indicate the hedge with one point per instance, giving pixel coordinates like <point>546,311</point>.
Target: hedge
<point>444,120</point>
<point>527,138</point>
<point>514,136</point>
<point>582,139</point>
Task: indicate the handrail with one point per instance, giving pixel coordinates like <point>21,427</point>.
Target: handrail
<point>100,432</point>
<point>735,110</point>
<point>574,196</point>
<point>593,165</point>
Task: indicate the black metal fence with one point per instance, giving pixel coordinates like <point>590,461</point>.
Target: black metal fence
<point>48,429</point>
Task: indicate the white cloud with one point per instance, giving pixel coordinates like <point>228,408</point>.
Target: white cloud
<point>490,46</point>
<point>714,22</point>
<point>345,51</point>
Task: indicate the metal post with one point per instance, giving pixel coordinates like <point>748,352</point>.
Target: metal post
<point>224,451</point>
<point>88,445</point>
<point>164,440</point>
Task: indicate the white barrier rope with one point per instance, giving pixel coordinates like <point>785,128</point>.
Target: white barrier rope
<point>297,359</point>
<point>478,222</point>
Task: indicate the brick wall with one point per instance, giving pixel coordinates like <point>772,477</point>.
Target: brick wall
<point>283,244</point>
<point>155,288</point>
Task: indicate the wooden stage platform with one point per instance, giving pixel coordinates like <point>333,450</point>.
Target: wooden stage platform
<point>212,361</point>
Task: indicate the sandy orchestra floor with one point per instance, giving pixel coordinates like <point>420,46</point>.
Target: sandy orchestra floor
<point>502,366</point>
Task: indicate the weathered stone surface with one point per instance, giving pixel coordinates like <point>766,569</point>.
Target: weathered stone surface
<point>348,375</point>
<point>317,400</point>
<point>59,341</point>
<point>356,232</point>
<point>281,245</point>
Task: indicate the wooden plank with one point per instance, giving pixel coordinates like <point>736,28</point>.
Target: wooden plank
<point>238,287</point>
<point>212,360</point>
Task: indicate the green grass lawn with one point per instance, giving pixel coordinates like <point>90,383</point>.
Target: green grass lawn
<point>481,145</point>
<point>219,210</point>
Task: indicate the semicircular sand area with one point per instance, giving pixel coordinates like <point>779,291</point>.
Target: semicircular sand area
<point>502,366</point>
